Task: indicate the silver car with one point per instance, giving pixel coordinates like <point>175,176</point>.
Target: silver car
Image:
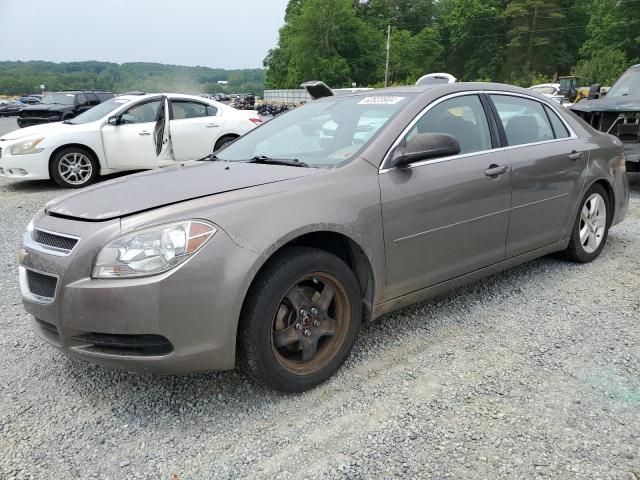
<point>272,253</point>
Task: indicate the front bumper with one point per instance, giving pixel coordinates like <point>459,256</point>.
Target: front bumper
<point>26,167</point>
<point>194,309</point>
<point>29,121</point>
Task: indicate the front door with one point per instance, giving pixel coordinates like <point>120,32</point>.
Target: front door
<point>549,170</point>
<point>449,216</point>
<point>130,144</point>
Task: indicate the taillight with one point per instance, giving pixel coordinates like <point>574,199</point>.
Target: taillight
<point>256,121</point>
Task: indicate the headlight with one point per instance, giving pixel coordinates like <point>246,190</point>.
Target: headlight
<point>153,250</point>
<point>27,146</point>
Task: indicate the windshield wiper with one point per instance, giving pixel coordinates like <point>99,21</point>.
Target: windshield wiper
<point>291,162</point>
<point>69,122</point>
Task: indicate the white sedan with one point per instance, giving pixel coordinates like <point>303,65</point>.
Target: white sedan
<point>118,135</point>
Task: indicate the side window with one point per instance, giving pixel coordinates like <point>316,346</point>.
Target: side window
<point>81,99</point>
<point>211,111</point>
<point>183,109</point>
<point>524,120</point>
<point>142,112</point>
<point>463,118</point>
<point>559,129</point>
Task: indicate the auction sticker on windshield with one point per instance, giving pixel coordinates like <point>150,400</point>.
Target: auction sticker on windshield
<point>380,100</point>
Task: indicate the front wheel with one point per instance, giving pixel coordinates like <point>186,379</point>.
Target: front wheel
<point>300,319</point>
<point>591,228</point>
<point>73,167</point>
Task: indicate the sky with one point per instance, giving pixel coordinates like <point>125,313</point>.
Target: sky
<point>213,33</point>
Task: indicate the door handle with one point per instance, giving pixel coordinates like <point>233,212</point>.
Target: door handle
<point>496,170</point>
<point>144,132</point>
<point>212,125</point>
<point>575,155</point>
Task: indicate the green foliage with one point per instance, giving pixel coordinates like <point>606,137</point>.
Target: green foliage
<point>604,68</point>
<point>26,77</point>
<point>512,41</point>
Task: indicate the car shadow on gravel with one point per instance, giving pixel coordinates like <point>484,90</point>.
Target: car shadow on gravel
<point>35,186</point>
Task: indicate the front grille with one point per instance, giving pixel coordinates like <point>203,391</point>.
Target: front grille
<point>119,344</point>
<point>34,114</point>
<point>0,153</point>
<point>41,285</point>
<point>55,241</point>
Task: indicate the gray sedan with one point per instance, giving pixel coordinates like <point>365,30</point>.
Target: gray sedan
<point>272,252</point>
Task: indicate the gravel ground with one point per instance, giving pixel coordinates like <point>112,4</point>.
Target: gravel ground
<point>532,373</point>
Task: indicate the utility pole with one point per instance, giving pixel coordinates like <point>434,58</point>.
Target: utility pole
<point>386,70</point>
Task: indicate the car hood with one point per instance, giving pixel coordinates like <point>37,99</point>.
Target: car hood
<point>629,103</point>
<point>43,129</point>
<point>39,107</point>
<point>157,188</point>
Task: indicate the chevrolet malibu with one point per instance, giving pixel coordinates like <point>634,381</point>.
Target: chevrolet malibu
<point>271,254</point>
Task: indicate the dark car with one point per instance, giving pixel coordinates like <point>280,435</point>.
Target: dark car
<point>618,113</point>
<point>59,106</point>
<point>30,99</point>
<point>11,108</point>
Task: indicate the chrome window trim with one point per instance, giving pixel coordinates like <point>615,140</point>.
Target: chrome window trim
<point>59,252</point>
<point>383,169</point>
<point>26,291</point>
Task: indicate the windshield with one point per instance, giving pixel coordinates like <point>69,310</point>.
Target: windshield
<point>327,133</point>
<point>99,111</point>
<point>627,84</point>
<point>58,98</point>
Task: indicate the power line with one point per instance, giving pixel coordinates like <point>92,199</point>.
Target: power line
<point>523,32</point>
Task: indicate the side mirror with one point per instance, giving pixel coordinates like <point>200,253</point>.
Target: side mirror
<point>115,120</point>
<point>424,146</point>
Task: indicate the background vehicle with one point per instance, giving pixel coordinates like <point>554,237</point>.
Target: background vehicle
<point>435,78</point>
<point>30,99</point>
<point>551,90</point>
<point>119,135</point>
<point>285,243</point>
<point>11,108</point>
<point>618,113</point>
<point>58,106</point>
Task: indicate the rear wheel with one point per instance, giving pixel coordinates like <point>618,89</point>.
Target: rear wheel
<point>591,228</point>
<point>73,167</point>
<point>300,319</point>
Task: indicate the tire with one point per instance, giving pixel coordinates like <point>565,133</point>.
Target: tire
<point>68,159</point>
<point>594,219</point>
<point>223,142</point>
<point>284,316</point>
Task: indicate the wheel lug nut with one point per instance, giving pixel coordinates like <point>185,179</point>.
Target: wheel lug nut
<point>303,312</point>
<point>316,323</point>
<point>299,326</point>
<point>314,311</point>
<point>307,333</point>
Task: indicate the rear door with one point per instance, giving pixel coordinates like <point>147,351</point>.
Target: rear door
<point>549,169</point>
<point>195,127</point>
<point>447,217</point>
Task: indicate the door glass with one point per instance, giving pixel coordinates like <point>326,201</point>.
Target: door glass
<point>524,120</point>
<point>81,99</point>
<point>185,109</point>
<point>463,118</point>
<point>141,113</point>
<point>212,111</point>
<point>559,129</point>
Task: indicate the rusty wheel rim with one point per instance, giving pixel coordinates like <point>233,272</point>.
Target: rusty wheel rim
<point>311,323</point>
